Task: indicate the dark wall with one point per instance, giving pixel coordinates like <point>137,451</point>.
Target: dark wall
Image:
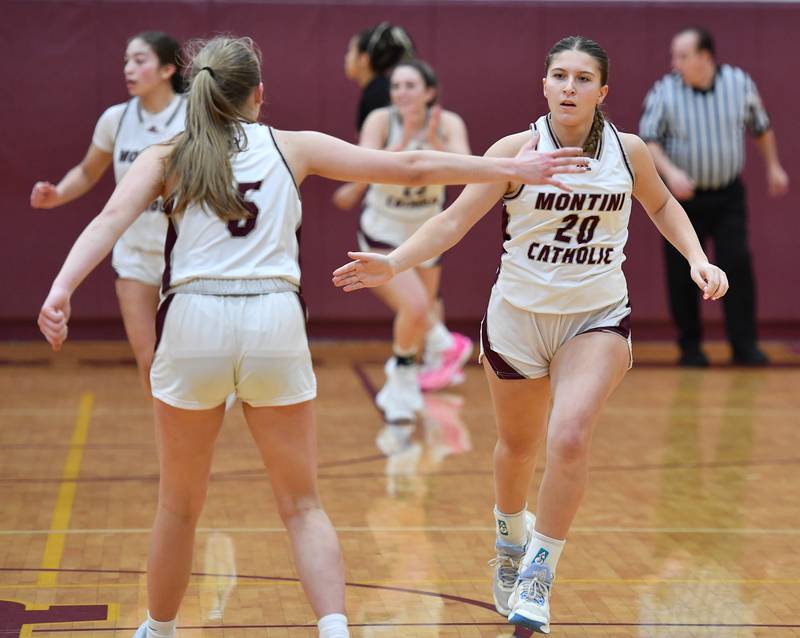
<point>62,66</point>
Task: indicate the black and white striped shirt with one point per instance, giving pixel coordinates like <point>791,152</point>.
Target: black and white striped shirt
<point>702,131</point>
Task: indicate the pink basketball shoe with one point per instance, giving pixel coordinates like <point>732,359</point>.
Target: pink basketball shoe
<point>446,369</point>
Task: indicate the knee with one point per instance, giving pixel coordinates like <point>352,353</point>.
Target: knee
<point>417,311</point>
<point>569,442</point>
<point>184,509</point>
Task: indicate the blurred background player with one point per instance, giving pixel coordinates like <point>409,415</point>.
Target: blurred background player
<point>390,215</point>
<point>370,57</point>
<point>155,113</point>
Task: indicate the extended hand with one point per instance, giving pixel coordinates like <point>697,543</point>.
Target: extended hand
<point>538,167</point>
<point>367,270</point>
<point>53,318</point>
<point>710,279</point>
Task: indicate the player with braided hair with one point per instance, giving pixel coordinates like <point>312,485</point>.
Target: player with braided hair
<point>555,340</point>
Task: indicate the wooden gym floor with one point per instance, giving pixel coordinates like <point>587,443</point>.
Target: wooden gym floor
<point>690,525</point>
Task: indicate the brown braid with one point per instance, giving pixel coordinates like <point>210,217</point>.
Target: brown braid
<point>595,133</point>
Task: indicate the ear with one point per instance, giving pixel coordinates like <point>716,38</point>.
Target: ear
<point>603,93</point>
<point>544,87</point>
<point>259,96</point>
<point>168,70</point>
<point>430,95</point>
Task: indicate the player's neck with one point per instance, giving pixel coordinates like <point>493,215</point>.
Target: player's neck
<point>158,99</point>
<point>573,135</point>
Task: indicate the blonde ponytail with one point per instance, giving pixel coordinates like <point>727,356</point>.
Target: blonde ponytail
<point>223,74</point>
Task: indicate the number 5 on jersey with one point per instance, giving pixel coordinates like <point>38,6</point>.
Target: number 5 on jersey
<point>243,227</point>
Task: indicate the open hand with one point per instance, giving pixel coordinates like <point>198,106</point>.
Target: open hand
<point>367,270</point>
<point>538,167</point>
<point>53,318</point>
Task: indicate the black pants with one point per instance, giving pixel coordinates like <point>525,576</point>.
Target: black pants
<point>722,216</point>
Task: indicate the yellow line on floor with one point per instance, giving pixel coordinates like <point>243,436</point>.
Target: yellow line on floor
<point>66,493</point>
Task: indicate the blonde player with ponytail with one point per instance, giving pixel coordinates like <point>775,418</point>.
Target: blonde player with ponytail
<point>231,318</point>
<point>556,329</point>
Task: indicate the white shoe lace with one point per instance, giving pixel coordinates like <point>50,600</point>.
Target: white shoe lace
<point>534,589</point>
<point>507,568</point>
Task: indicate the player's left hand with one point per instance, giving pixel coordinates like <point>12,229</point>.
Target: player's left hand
<point>53,318</point>
<point>367,270</point>
<point>711,279</point>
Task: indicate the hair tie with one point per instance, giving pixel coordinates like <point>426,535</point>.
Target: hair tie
<point>210,70</point>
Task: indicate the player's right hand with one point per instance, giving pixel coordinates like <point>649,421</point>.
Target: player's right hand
<point>53,318</point>
<point>367,270</point>
<point>44,195</point>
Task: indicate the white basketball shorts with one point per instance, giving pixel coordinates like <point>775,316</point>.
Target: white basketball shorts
<point>519,344</point>
<point>212,345</point>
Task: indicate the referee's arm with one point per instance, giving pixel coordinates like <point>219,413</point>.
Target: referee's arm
<point>653,130</point>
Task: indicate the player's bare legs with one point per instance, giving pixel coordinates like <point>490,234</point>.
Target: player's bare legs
<point>138,303</point>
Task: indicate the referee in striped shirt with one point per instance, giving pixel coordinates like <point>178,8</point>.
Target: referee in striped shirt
<point>693,122</point>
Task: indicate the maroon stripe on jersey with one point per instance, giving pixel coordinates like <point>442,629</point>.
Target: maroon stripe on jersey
<point>169,246</point>
<point>285,163</point>
<point>500,366</point>
<point>555,139</point>
<point>517,193</point>
<point>622,150</point>
<point>623,328</point>
<point>161,317</point>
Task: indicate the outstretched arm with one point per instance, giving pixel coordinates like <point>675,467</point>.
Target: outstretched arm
<point>671,220</point>
<point>436,235</point>
<point>78,181</point>
<point>373,135</point>
<point>141,185</point>
<point>311,153</point>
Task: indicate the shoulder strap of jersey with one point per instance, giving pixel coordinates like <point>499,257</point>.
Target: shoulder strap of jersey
<point>122,119</point>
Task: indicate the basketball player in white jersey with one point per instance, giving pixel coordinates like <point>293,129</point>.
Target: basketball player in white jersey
<point>390,215</point>
<point>232,319</point>
<point>155,113</point>
<point>556,328</point>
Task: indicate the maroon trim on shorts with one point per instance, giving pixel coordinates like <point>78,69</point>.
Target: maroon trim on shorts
<point>501,367</point>
<point>304,308</point>
<point>161,317</point>
<point>623,329</point>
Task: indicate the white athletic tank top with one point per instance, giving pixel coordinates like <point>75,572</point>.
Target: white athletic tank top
<point>137,130</point>
<point>201,246</point>
<point>563,252</point>
<point>405,203</point>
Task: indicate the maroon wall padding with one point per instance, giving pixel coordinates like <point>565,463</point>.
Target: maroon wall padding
<point>62,66</point>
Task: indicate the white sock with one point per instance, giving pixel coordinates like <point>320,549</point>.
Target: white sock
<point>438,338</point>
<point>544,551</point>
<point>511,527</point>
<point>333,626</point>
<point>160,629</point>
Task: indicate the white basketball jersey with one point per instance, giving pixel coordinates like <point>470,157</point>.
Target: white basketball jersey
<point>137,130</point>
<point>563,252</point>
<point>405,203</point>
<point>202,246</point>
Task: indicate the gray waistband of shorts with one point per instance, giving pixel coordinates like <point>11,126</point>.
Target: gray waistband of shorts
<point>234,286</point>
